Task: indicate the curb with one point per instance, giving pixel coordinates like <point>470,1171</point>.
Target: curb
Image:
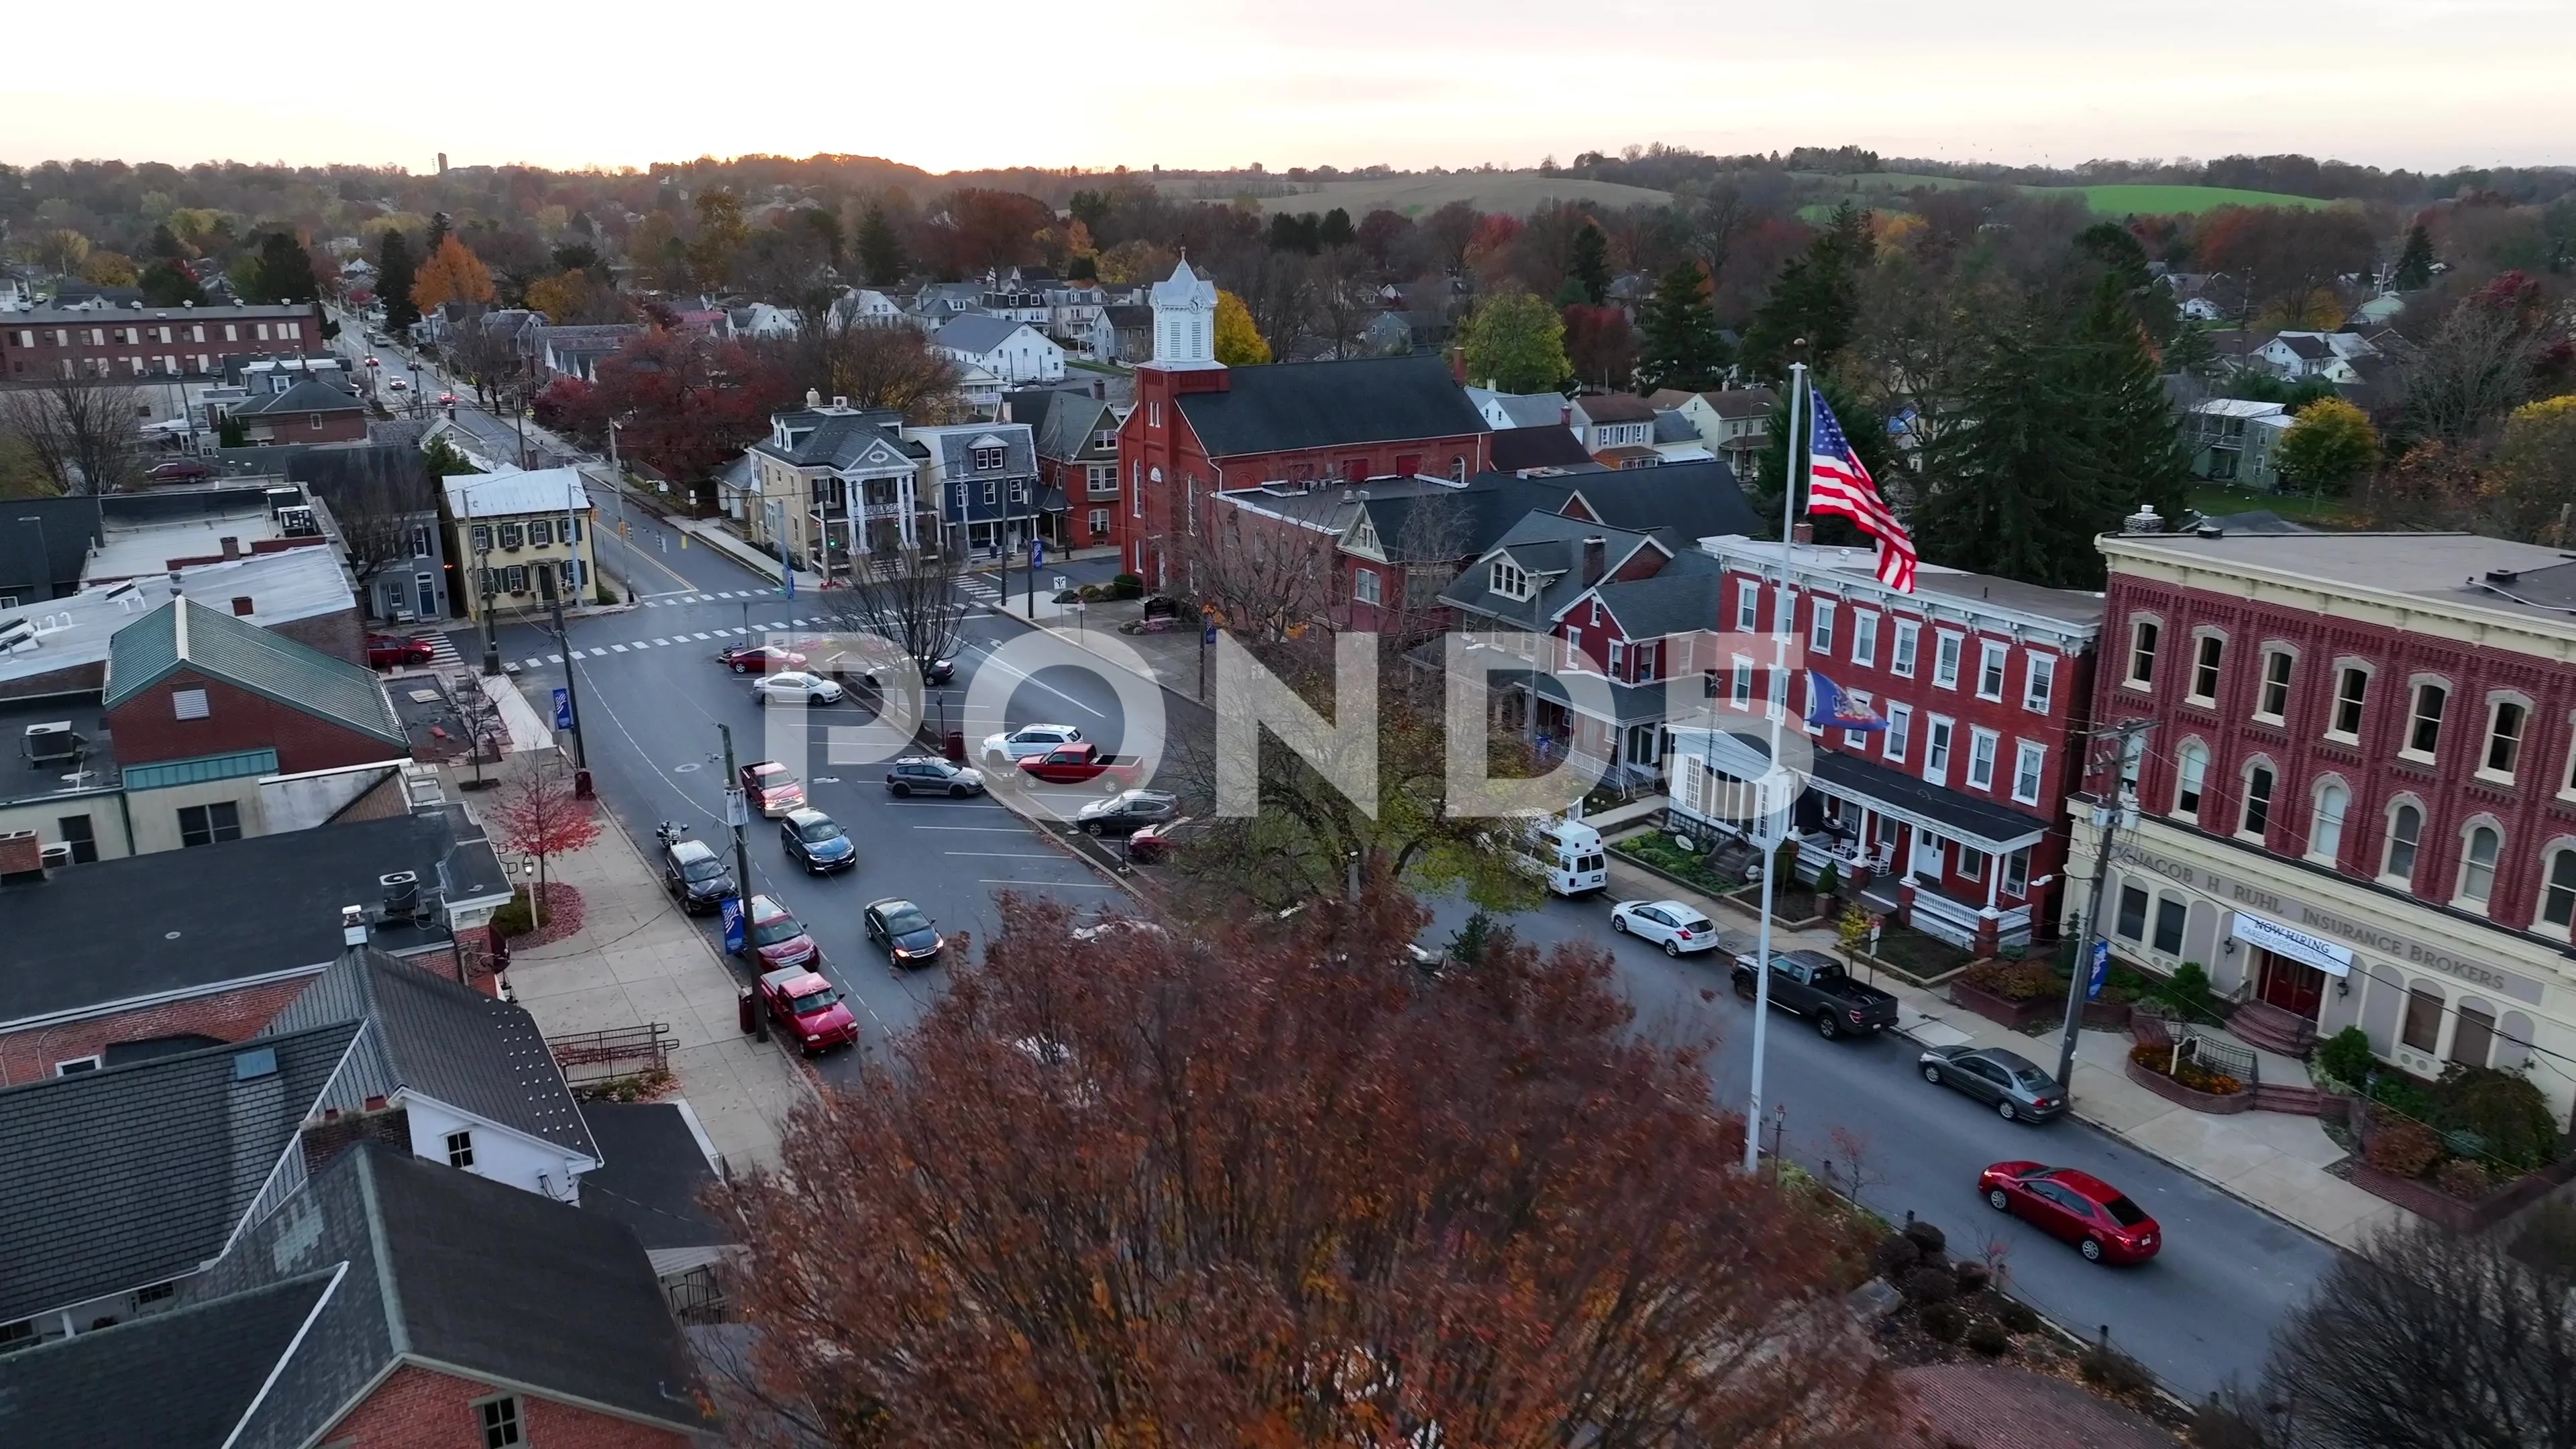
<point>1154,680</point>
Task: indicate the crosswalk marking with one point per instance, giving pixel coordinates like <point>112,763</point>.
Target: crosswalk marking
<point>658,643</point>
<point>703,636</point>
<point>554,659</point>
<point>620,648</point>
<point>530,663</point>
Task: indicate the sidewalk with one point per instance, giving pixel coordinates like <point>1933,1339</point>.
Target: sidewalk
<point>2275,1161</point>
<point>637,960</point>
<point>725,541</point>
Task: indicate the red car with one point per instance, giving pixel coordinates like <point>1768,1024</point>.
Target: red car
<point>767,658</point>
<point>806,1005</point>
<point>180,470</point>
<point>2099,1219</point>
<point>1083,764</point>
<point>772,791</point>
<point>387,651</point>
<point>778,938</point>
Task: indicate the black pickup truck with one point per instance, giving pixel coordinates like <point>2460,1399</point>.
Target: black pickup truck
<point>1814,985</point>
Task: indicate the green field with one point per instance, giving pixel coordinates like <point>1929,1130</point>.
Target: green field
<point>1516,192</point>
<point>1886,190</point>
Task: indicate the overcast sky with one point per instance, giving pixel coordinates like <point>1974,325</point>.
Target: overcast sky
<point>2417,83</point>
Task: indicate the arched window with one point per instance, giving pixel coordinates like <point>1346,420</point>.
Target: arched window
<point>2477,866</point>
<point>2558,890</point>
<point>2190,774</point>
<point>2325,832</point>
<point>2405,831</point>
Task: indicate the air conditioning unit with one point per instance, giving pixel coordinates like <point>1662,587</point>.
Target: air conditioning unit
<point>55,857</point>
<point>401,892</point>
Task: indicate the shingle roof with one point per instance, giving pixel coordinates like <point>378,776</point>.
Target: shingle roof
<point>174,923</point>
<point>447,1041</point>
<point>829,439</point>
<point>1553,446</point>
<point>312,395</point>
<point>976,333</point>
<point>1526,410</point>
<point>1548,547</point>
<point>119,1178</point>
<point>465,1274</point>
<point>1614,407</point>
<point>179,1379</point>
<point>1681,598</point>
<point>184,634</point>
<point>1677,502</point>
<point>654,1171</point>
<point>1743,402</point>
<point>1292,405</point>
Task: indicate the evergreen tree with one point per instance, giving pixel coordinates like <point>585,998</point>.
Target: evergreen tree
<point>1816,297</point>
<point>439,227</point>
<point>393,281</point>
<point>1589,267</point>
<point>2136,448</point>
<point>284,272</point>
<point>880,250</point>
<point>1336,230</point>
<point>2009,493</point>
<point>165,243</point>
<point>2415,263</point>
<point>1682,347</point>
<point>167,284</point>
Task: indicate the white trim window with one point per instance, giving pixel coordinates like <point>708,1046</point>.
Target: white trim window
<point>2039,682</point>
<point>1945,659</point>
<point>1748,606</point>
<point>2325,828</point>
<point>2508,720</point>
<point>2256,816</point>
<point>1936,749</point>
<point>2144,635</point>
<point>2558,893</point>
<point>2030,761</point>
<point>2405,841</point>
<point>2425,705</point>
<point>2191,777</point>
<point>1857,739</point>
<point>1992,655</point>
<point>2480,845</point>
<point>1506,578</point>
<point>1900,662</point>
<point>1364,585</point>
<point>1900,726</point>
<point>2272,696</point>
<point>1864,650</point>
<point>1820,629</point>
<point>1740,688</point>
<point>2208,668</point>
<point>1984,746</point>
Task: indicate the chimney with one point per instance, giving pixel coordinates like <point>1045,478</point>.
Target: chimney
<point>1458,365</point>
<point>1596,556</point>
<point>21,853</point>
<point>1802,532</point>
<point>2144,520</point>
<point>353,931</point>
<point>241,606</point>
<point>813,397</point>
<point>375,1104</point>
<point>232,548</point>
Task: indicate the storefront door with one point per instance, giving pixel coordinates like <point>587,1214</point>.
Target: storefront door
<point>2294,986</point>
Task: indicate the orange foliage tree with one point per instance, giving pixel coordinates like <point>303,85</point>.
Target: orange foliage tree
<point>452,274</point>
<point>1268,1186</point>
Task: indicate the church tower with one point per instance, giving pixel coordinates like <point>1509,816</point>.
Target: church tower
<point>1185,321</point>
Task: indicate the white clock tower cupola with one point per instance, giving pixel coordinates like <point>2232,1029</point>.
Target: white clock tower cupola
<point>1185,320</point>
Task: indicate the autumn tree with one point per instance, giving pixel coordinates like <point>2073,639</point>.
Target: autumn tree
<point>394,278</point>
<point>1222,1184</point>
<point>2477,364</point>
<point>1516,341</point>
<point>109,269</point>
<point>1239,342</point>
<point>577,296</point>
<point>721,234</point>
<point>2531,485</point>
<point>1263,580</point>
<point>980,228</point>
<point>61,250</point>
<point>536,815</point>
<point>2286,260</point>
<point>1682,347</point>
<point>1600,345</point>
<point>874,367</point>
<point>2330,445</point>
<point>452,274</point>
<point>685,403</point>
<point>78,430</point>
<point>2431,484</point>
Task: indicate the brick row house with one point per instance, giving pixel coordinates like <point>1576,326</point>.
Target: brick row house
<point>1199,428</point>
<point>136,344</point>
<point>2357,801</point>
<point>1076,435</point>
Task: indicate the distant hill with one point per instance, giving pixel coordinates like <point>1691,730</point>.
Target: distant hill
<point>1885,190</point>
<point>1516,192</point>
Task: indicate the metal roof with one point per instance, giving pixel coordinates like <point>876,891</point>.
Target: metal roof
<point>186,635</point>
<point>502,495</point>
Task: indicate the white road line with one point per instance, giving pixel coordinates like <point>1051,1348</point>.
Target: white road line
<point>652,603</point>
<point>990,662</point>
<point>702,636</point>
<point>620,648</point>
<point>658,643</point>
<point>554,659</point>
<point>530,663</point>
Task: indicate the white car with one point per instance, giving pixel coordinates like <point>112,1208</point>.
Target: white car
<point>1676,927</point>
<point>1030,741</point>
<point>793,684</point>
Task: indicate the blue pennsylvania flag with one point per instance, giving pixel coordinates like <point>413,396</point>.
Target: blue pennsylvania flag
<point>1834,710</point>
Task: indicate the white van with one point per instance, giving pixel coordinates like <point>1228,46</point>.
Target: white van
<point>1566,854</point>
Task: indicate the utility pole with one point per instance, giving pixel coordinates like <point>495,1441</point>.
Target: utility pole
<point>737,811</point>
<point>2115,808</point>
<point>572,700</point>
<point>483,566</point>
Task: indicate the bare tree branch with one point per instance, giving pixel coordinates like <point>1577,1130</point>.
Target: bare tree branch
<point>80,430</point>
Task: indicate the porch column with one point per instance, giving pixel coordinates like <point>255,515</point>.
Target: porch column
<point>1865,848</point>
<point>903,497</point>
<point>1905,872</point>
<point>1987,923</point>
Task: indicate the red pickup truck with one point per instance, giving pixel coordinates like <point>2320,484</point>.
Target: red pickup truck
<point>1081,765</point>
<point>771,790</point>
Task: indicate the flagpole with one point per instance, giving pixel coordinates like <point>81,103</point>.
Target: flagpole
<point>1765,834</point>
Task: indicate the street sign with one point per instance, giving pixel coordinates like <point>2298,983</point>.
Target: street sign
<point>1037,554</point>
<point>2101,970</point>
<point>563,709</point>
<point>1210,636</point>
<point>733,923</point>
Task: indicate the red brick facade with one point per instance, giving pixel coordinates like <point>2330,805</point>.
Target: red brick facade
<point>147,727</point>
<point>418,1408</point>
<point>2531,806</point>
<point>141,344</point>
<point>226,1015</point>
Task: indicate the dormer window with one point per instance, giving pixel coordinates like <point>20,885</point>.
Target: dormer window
<point>1507,579</point>
<point>987,459</point>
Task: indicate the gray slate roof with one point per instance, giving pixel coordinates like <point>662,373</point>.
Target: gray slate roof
<point>186,635</point>
<point>1681,598</point>
<point>653,1175</point>
<point>1679,503</point>
<point>463,1273</point>
<point>312,395</point>
<point>955,449</point>
<point>976,333</point>
<point>841,440</point>
<point>179,1379</point>
<point>127,1176</point>
<point>431,1035</point>
<point>1292,405</point>
<point>1549,548</point>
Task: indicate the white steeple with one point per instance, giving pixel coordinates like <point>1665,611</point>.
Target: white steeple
<point>1185,319</point>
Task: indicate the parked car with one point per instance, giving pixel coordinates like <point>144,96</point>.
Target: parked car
<point>390,651</point>
<point>1814,985</point>
<point>1155,843</point>
<point>694,874</point>
<point>1126,812</point>
<point>770,790</point>
<point>930,775</point>
<point>180,470</point>
<point>805,1006</point>
<point>1670,924</point>
<point>2074,1206</point>
<point>2016,1085</point>
<point>398,385</point>
<point>1027,740</point>
<point>796,685</point>
<point>759,658</point>
<point>862,666</point>
<point>1083,764</point>
<point>814,840</point>
<point>907,936</point>
<point>775,935</point>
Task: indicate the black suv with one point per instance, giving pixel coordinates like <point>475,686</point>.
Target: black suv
<point>930,775</point>
<point>695,875</point>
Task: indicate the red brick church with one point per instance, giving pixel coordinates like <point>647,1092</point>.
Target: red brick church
<point>1200,426</point>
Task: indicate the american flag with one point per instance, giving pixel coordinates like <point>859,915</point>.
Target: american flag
<point>1837,483</point>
